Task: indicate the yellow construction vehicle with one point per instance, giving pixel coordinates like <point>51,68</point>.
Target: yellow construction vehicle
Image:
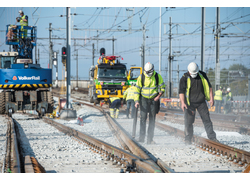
<point>107,79</point>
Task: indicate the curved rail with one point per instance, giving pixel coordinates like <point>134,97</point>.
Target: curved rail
<point>111,152</point>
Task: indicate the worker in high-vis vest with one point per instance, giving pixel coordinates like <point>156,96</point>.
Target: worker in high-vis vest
<point>229,98</point>
<point>129,96</point>
<point>194,90</point>
<point>23,22</point>
<point>150,86</point>
<point>115,103</point>
<point>218,100</point>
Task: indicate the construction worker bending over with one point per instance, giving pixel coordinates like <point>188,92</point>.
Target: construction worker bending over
<point>129,96</point>
<point>229,98</point>
<point>194,90</point>
<point>147,97</point>
<point>115,104</point>
<point>218,100</point>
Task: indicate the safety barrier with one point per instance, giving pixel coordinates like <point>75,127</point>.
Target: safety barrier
<point>241,106</point>
<point>236,106</point>
<point>170,103</point>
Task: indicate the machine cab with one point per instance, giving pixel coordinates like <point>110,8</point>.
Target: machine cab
<point>134,73</point>
<point>6,59</point>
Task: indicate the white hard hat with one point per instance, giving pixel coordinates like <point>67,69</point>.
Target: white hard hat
<point>148,66</point>
<point>20,12</point>
<point>149,69</point>
<point>193,68</point>
<point>228,89</point>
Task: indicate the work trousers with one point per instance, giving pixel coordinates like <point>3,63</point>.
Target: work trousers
<point>130,103</point>
<point>116,104</point>
<point>217,105</point>
<point>189,117</point>
<point>227,107</point>
<point>147,106</point>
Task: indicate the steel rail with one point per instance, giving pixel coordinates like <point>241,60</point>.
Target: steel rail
<point>226,117</point>
<point>133,146</point>
<point>13,164</point>
<point>242,128</point>
<point>116,154</point>
<point>238,156</point>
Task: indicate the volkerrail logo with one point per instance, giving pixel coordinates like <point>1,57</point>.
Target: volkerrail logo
<point>28,78</point>
<point>14,78</point>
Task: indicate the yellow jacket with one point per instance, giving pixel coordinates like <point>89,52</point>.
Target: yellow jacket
<point>130,93</point>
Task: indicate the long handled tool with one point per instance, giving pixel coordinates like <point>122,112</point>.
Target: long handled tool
<point>134,122</point>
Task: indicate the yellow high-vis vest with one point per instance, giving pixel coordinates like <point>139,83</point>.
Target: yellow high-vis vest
<point>205,87</point>
<point>130,93</point>
<point>218,95</point>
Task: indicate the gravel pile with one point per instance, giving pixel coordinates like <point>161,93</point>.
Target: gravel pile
<point>57,152</point>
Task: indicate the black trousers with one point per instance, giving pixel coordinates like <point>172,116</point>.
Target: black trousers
<point>130,103</point>
<point>116,104</point>
<point>189,117</point>
<point>217,104</point>
<point>147,106</point>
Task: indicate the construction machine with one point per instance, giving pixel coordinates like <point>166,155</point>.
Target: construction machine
<point>23,84</point>
<point>108,78</point>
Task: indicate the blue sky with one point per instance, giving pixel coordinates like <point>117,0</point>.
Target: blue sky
<point>233,49</point>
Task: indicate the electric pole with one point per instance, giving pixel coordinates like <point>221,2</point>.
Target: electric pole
<point>57,70</point>
<point>170,58</point>
<point>36,54</point>
<point>68,32</point>
<point>160,43</point>
<point>202,38</point>
<point>93,54</point>
<point>77,68</point>
<point>217,60</point>
<point>50,50</point>
<point>113,45</point>
<point>143,47</point>
<point>38,57</point>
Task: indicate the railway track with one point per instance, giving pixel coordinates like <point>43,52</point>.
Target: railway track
<point>14,162</point>
<point>128,157</point>
<point>219,124</point>
<point>232,154</point>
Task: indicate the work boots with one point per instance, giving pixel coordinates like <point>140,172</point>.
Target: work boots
<point>112,112</point>
<point>117,113</point>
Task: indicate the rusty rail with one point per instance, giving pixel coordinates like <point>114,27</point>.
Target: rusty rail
<point>116,154</point>
<point>132,145</point>
<point>235,155</point>
<point>241,127</point>
<point>12,160</point>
